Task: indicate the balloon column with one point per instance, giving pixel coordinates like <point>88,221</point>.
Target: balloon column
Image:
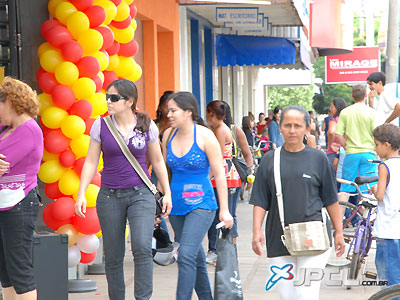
<point>89,44</point>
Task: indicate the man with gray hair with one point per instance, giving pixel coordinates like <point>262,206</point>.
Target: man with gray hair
<point>354,133</point>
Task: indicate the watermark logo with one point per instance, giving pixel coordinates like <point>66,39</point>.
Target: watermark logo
<point>278,274</point>
<point>329,276</point>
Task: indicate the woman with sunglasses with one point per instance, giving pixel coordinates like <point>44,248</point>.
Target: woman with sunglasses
<point>123,195</point>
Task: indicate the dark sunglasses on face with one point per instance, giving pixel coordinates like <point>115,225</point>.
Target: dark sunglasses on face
<point>115,97</point>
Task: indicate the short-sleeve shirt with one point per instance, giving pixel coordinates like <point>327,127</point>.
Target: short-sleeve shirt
<point>308,185</point>
<point>356,123</point>
<point>275,134</point>
<point>386,104</point>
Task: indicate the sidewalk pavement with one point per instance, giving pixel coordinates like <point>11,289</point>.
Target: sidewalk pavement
<point>253,273</point>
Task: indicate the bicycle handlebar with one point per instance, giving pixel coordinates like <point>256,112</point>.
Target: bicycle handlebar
<point>374,161</point>
<point>365,196</point>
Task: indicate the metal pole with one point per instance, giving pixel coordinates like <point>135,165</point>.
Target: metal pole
<point>392,42</point>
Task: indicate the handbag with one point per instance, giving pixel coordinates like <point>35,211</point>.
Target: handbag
<point>158,196</point>
<point>304,238</point>
<point>228,285</point>
<point>240,164</point>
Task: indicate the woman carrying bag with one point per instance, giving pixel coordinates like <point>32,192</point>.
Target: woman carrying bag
<point>307,183</point>
<point>123,194</point>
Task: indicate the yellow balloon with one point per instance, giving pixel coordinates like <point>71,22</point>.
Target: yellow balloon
<point>73,127</point>
<point>101,163</point>
<point>99,104</point>
<point>45,101</point>
<point>77,23</point>
<point>84,88</point>
<point>123,11</point>
<point>134,24</point>
<point>69,183</point>
<point>99,234</point>
<point>53,116</point>
<point>49,156</point>
<point>128,2</point>
<point>123,35</point>
<point>110,9</point>
<point>64,10</point>
<point>73,234</point>
<point>67,73</point>
<point>125,67</point>
<point>91,195</point>
<point>44,47</point>
<point>52,6</point>
<point>80,146</point>
<point>50,59</point>
<point>113,63</point>
<point>51,171</point>
<point>91,40</point>
<point>102,58</point>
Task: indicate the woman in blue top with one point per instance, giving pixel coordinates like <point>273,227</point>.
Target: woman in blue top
<point>190,153</point>
<point>275,134</point>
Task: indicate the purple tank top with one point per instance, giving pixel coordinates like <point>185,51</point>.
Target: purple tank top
<point>118,173</point>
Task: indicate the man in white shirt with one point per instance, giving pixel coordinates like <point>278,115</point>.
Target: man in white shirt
<point>388,106</point>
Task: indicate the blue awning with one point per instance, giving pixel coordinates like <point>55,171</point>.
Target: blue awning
<point>254,50</point>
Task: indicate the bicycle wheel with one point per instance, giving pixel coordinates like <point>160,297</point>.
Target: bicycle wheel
<point>348,233</point>
<point>387,293</point>
<point>357,258</point>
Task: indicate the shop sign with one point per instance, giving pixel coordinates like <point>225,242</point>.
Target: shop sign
<point>353,67</point>
<point>234,15</point>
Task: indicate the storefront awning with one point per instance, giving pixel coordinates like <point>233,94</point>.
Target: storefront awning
<point>254,50</point>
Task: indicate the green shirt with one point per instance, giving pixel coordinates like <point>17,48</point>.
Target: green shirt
<point>356,123</point>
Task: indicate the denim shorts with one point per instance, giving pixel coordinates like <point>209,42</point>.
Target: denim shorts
<point>16,243</point>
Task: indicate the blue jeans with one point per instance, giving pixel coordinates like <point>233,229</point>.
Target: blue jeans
<point>113,208</point>
<point>16,244</point>
<point>233,198</point>
<point>387,260</point>
<point>189,231</point>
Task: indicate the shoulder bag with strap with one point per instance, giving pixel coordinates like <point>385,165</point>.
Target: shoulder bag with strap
<point>300,239</point>
<point>135,164</point>
<point>239,162</point>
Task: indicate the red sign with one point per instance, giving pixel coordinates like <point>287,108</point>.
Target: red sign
<point>352,67</point>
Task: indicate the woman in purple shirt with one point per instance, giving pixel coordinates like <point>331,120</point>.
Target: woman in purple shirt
<point>123,195</point>
<point>21,148</point>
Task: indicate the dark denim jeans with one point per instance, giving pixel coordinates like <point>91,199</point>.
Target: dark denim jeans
<point>233,198</point>
<point>16,244</point>
<point>114,207</point>
<point>189,231</point>
<point>387,260</point>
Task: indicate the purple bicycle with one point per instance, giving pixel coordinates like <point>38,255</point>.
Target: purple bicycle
<point>361,238</point>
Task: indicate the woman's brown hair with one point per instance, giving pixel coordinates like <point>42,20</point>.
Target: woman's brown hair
<point>128,89</point>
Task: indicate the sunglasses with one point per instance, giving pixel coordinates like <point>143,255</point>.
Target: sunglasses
<point>115,97</point>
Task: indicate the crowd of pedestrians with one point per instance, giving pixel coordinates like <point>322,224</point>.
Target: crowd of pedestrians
<point>192,163</point>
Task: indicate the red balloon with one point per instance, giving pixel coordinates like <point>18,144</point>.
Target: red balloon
<point>46,26</point>
<point>82,4</point>
<point>82,108</point>
<point>52,222</point>
<point>88,225</point>
<point>58,35</point>
<point>40,72</point>
<point>89,123</point>
<point>96,179</point>
<point>44,129</point>
<point>52,191</point>
<point>56,141</point>
<point>63,208</point>
<point>109,77</point>
<point>113,49</point>
<point>99,83</point>
<point>129,49</point>
<point>72,51</point>
<point>87,257</point>
<point>78,165</point>
<point>123,24</point>
<point>47,81</point>
<point>116,2</point>
<point>63,96</point>
<point>108,36</point>
<point>67,158</point>
<point>96,15</point>
<point>133,10</point>
<point>88,66</point>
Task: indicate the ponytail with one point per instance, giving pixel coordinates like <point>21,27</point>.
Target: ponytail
<point>142,122</point>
